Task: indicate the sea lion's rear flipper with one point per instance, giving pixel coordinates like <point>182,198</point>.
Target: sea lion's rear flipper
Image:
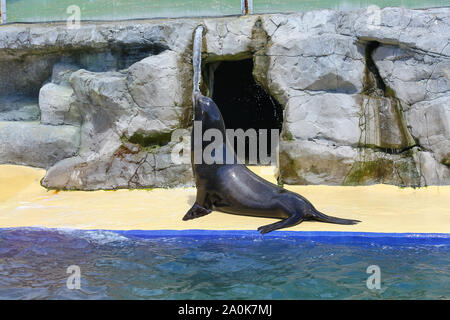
<point>196,211</point>
<point>289,222</point>
<point>322,217</point>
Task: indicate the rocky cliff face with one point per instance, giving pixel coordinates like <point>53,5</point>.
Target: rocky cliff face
<point>365,96</point>
<point>365,114</point>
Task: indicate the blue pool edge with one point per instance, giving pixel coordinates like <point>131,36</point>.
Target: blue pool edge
<point>282,233</point>
<point>319,236</point>
<point>343,237</point>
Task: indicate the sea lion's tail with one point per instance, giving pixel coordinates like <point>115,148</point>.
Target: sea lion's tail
<point>319,216</point>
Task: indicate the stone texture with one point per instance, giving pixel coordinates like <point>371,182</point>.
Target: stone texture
<point>160,91</point>
<point>430,125</point>
<point>124,166</point>
<point>315,162</point>
<point>24,76</point>
<point>315,55</point>
<point>383,125</point>
<point>373,167</point>
<point>19,109</point>
<point>128,118</point>
<point>229,38</point>
<point>313,61</point>
<point>330,117</point>
<point>413,76</point>
<point>424,30</point>
<point>32,144</point>
<point>62,71</point>
<point>432,172</point>
<point>57,105</point>
<point>350,118</point>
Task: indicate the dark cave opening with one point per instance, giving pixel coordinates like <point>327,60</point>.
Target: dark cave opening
<point>245,104</point>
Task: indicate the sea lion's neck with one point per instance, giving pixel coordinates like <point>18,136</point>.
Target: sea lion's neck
<point>210,116</point>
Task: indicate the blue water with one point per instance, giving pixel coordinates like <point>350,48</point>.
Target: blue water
<point>33,265</point>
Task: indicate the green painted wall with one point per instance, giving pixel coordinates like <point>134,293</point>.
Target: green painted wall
<point>55,10</point>
<point>267,6</point>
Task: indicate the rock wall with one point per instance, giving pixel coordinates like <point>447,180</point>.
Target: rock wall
<point>361,111</point>
<point>366,100</point>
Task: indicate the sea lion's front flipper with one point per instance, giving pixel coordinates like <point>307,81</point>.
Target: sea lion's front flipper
<point>196,211</point>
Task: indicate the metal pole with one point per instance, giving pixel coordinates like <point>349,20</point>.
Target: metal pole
<point>3,10</point>
<point>246,7</point>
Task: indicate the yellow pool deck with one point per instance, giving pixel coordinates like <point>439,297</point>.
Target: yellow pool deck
<point>381,208</point>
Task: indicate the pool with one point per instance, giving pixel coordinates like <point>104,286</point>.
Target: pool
<point>220,265</point>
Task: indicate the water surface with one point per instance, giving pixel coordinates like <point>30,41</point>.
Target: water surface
<point>33,265</point>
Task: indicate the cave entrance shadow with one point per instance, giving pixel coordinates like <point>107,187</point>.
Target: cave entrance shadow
<point>244,103</point>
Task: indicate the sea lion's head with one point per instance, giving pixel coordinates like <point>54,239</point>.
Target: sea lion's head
<point>206,111</point>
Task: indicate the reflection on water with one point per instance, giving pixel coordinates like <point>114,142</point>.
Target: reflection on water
<point>33,264</point>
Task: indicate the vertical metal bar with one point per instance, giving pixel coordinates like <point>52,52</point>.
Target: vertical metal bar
<point>3,10</point>
<point>250,6</point>
<point>246,6</point>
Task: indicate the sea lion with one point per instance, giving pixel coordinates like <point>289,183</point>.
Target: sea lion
<point>233,188</point>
